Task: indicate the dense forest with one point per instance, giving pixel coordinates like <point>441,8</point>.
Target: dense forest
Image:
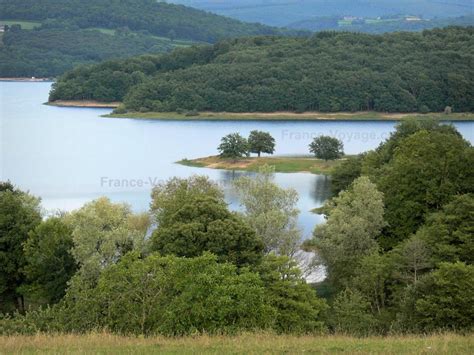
<point>158,18</point>
<point>51,52</point>
<point>45,38</point>
<point>331,71</point>
<point>380,25</point>
<point>397,246</point>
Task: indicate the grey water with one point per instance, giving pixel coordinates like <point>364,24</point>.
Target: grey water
<point>69,156</point>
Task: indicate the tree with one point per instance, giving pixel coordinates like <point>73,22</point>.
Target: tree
<point>345,173</point>
<point>205,224</point>
<point>412,258</point>
<point>19,213</point>
<point>326,147</point>
<point>233,146</point>
<point>50,263</point>
<point>169,197</point>
<point>355,219</point>
<point>261,142</point>
<point>297,304</point>
<point>449,232</point>
<point>427,169</point>
<point>271,211</point>
<point>102,233</point>
<point>172,296</point>
<point>351,314</point>
<point>446,298</point>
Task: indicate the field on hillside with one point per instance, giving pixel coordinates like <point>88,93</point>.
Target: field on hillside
<point>250,343</point>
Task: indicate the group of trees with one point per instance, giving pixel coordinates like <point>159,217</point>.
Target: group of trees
<point>235,146</point>
<point>50,52</point>
<point>188,266</point>
<point>73,32</point>
<point>330,71</point>
<point>159,18</point>
<point>397,247</point>
<point>398,240</point>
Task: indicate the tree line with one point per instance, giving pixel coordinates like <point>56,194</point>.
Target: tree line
<point>398,72</point>
<point>397,246</point>
<point>159,18</point>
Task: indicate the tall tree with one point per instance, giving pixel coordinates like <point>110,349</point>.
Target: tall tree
<point>326,147</point>
<point>355,218</point>
<point>19,214</point>
<point>102,233</point>
<point>261,142</point>
<point>427,169</point>
<point>50,263</point>
<point>271,211</point>
<point>233,146</point>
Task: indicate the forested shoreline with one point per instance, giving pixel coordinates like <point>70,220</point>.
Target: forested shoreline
<point>45,38</point>
<point>397,247</point>
<point>329,72</point>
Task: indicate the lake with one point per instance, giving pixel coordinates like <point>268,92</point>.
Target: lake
<point>69,156</point>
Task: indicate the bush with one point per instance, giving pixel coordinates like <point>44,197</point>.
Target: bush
<point>120,110</point>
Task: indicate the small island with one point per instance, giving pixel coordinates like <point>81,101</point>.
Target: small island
<point>282,164</point>
<point>235,153</point>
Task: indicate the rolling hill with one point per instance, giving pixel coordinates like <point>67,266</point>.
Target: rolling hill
<point>331,71</point>
<point>47,37</point>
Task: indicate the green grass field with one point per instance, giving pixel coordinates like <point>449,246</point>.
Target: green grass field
<point>103,343</point>
<point>25,25</point>
<point>281,164</point>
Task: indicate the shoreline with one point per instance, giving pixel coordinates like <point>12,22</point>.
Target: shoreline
<point>28,80</point>
<point>291,116</point>
<point>282,164</point>
<point>85,103</point>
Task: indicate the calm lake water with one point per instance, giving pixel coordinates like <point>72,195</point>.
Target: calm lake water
<point>69,156</point>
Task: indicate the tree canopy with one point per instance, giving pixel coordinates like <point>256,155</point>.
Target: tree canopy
<point>330,72</point>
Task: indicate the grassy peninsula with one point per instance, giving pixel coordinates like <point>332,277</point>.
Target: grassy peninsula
<point>297,164</point>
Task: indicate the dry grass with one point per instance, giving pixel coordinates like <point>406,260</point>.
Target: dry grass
<point>281,164</point>
<point>104,343</point>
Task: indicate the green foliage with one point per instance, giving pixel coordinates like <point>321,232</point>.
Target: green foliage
<point>172,296</point>
<point>50,264</point>
<point>426,170</point>
<point>449,232</point>
<point>169,197</point>
<point>261,142</point>
<point>233,146</point>
<point>102,233</point>
<point>158,18</point>
<point>51,52</point>
<point>271,211</point>
<point>355,218</point>
<point>326,147</point>
<point>205,224</point>
<point>298,307</point>
<point>446,298</point>
<point>328,72</point>
<point>345,173</point>
<point>350,313</point>
<point>19,214</point>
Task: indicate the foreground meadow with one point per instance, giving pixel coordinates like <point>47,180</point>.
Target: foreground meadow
<point>104,343</point>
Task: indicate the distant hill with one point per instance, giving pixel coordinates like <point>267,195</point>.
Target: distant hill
<point>285,12</point>
<point>56,35</point>
<point>331,71</point>
<point>380,24</point>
